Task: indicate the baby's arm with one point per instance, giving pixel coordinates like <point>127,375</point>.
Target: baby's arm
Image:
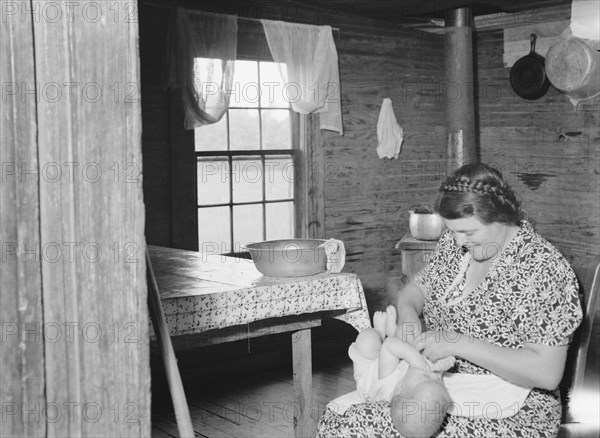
<point>392,351</point>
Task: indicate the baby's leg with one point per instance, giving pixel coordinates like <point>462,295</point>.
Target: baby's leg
<point>368,342</point>
<point>388,361</point>
<point>380,323</point>
<point>391,321</point>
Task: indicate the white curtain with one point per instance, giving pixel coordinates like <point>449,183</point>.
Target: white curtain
<point>311,73</point>
<point>201,54</point>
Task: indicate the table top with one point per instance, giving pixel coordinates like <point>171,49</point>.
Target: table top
<point>408,242</point>
<point>200,292</point>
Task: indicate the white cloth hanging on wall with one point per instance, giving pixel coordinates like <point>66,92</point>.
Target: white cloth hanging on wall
<point>585,21</point>
<point>389,134</point>
<point>202,49</point>
<point>311,72</point>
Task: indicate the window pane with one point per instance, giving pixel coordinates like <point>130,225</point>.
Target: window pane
<point>247,179</point>
<point>212,137</point>
<point>279,178</point>
<point>245,89</point>
<point>243,129</point>
<point>276,129</point>
<point>213,229</point>
<point>280,220</point>
<point>213,181</point>
<point>247,224</point>
<point>272,86</point>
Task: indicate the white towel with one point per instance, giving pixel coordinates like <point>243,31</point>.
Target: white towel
<point>585,21</point>
<point>484,396</point>
<point>473,396</point>
<point>336,255</point>
<point>389,134</point>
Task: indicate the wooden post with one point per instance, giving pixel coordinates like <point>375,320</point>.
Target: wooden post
<point>304,423</point>
<point>72,279</point>
<point>460,100</point>
<point>310,181</point>
<point>22,376</point>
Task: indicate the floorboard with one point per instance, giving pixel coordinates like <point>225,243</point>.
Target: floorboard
<point>256,404</point>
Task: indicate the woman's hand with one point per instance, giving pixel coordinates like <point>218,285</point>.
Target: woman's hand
<point>436,345</point>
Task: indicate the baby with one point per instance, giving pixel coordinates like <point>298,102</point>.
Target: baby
<point>388,369</point>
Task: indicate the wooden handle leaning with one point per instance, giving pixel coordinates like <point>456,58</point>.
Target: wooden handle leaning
<point>182,412</point>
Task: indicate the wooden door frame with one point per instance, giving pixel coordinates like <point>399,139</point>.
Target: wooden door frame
<point>73,288</point>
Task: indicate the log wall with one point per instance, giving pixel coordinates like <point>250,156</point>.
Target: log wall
<point>366,198</point>
<point>548,149</point>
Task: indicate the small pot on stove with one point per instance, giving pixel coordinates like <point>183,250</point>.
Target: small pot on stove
<point>425,224</point>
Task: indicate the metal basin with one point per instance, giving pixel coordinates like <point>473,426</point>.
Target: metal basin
<point>289,257</point>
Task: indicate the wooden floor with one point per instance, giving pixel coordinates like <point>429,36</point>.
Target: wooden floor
<point>257,404</point>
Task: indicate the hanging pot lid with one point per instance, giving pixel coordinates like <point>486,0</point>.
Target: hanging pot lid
<point>573,68</point>
<point>528,75</point>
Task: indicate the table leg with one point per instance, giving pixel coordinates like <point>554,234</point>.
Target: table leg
<point>304,424</point>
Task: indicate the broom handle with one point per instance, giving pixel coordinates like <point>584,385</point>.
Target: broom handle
<point>182,412</point>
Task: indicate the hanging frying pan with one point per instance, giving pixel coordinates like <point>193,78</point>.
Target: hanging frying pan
<point>528,75</point>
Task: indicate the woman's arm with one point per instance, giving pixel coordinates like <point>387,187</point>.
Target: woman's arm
<point>410,307</point>
<point>533,366</point>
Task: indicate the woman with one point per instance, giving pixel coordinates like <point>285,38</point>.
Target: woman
<point>495,295</point>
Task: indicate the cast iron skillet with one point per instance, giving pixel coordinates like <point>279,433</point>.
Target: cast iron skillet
<point>528,75</point>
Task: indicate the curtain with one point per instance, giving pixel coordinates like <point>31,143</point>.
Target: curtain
<point>202,49</point>
<point>310,71</point>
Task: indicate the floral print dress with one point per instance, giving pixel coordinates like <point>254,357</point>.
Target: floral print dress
<point>530,295</point>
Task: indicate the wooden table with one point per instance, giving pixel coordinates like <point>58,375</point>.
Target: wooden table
<point>222,299</point>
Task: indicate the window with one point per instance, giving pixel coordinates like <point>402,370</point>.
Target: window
<point>247,164</point>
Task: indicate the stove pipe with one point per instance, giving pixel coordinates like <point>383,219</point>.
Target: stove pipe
<point>458,90</point>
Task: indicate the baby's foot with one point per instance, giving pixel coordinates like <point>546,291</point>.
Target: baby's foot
<point>379,323</point>
<point>443,364</point>
<point>390,323</point>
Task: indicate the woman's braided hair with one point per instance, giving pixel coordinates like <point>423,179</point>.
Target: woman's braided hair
<point>478,189</point>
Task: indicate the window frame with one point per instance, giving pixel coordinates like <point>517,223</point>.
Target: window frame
<point>307,153</point>
<point>310,166</point>
<point>293,153</point>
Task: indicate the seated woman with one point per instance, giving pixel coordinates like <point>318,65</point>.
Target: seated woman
<point>495,295</point>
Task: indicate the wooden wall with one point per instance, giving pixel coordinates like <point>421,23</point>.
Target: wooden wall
<point>548,149</point>
<point>366,198</point>
<point>156,121</point>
